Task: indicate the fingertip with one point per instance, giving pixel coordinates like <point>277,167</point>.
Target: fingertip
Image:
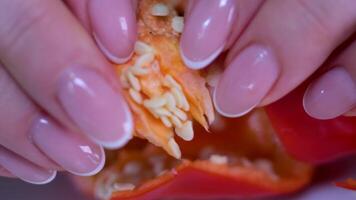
<point>113,58</point>
<point>331,95</point>
<point>51,177</point>
<point>207,27</point>
<point>199,64</point>
<point>114,27</point>
<point>96,170</point>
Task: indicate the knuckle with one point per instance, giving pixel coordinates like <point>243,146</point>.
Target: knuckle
<point>317,19</point>
<point>329,20</point>
<point>18,20</point>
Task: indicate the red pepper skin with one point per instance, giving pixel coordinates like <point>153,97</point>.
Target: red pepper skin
<point>190,183</point>
<point>309,139</point>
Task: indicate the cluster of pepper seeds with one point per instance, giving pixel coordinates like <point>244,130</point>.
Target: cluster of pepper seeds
<point>171,107</point>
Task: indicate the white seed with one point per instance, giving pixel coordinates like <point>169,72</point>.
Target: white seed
<point>153,113</point>
<point>123,186</point>
<point>134,82</point>
<point>155,66</point>
<point>177,96</point>
<point>143,48</point>
<point>155,102</point>
<point>136,96</point>
<point>166,121</point>
<point>266,166</point>
<point>175,121</point>
<point>139,71</point>
<point>123,79</point>
<point>179,113</point>
<point>218,159</point>
<point>161,111</point>
<point>178,24</point>
<point>185,104</point>
<point>170,82</point>
<point>246,162</point>
<point>171,102</point>
<point>172,144</point>
<point>144,59</point>
<point>186,131</point>
<point>159,9</point>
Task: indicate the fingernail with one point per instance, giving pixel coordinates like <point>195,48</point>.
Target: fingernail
<point>330,96</point>
<point>246,81</point>
<point>24,169</point>
<point>206,31</point>
<point>73,151</point>
<point>96,108</point>
<point>116,36</point>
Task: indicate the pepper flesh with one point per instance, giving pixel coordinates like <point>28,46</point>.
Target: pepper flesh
<point>157,33</point>
<point>245,142</point>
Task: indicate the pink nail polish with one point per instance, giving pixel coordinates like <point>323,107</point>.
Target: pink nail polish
<point>73,151</point>
<point>97,109</point>
<point>114,26</point>
<point>24,169</point>
<point>206,31</point>
<point>330,96</point>
<point>246,81</point>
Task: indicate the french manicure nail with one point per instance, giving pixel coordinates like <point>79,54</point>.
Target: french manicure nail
<point>109,55</point>
<point>73,151</point>
<point>115,37</point>
<point>206,31</point>
<point>330,96</point>
<point>246,81</point>
<point>24,169</point>
<point>96,108</point>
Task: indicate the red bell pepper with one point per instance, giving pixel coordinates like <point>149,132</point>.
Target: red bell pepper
<point>255,166</point>
<point>309,139</point>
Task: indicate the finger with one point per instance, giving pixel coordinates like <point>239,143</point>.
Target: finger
<point>80,10</point>
<point>5,173</point>
<point>212,25</point>
<point>114,28</point>
<point>24,169</point>
<point>67,76</point>
<point>17,113</point>
<point>285,43</point>
<point>74,152</point>
<point>334,93</point>
<point>24,131</point>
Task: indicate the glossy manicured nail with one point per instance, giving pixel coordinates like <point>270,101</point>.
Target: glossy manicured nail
<point>246,81</point>
<point>24,169</point>
<point>115,37</point>
<point>96,108</point>
<point>74,152</point>
<point>206,31</point>
<point>330,96</point>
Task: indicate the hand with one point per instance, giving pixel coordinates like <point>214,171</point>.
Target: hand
<point>272,47</point>
<point>57,89</point>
